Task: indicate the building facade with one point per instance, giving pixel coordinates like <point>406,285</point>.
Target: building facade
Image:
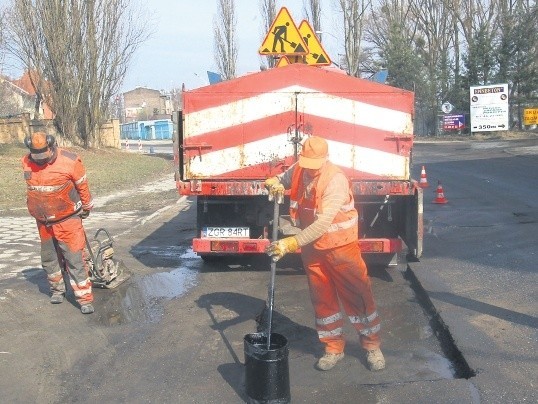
<point>144,104</point>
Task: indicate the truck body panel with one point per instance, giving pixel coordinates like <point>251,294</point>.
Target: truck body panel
<point>235,134</point>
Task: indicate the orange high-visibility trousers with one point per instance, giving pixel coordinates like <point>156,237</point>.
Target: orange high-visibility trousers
<point>341,274</point>
<point>62,246</point>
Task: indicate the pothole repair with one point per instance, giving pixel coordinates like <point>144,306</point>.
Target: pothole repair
<point>462,370</point>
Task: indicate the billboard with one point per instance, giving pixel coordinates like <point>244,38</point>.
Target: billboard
<point>489,108</point>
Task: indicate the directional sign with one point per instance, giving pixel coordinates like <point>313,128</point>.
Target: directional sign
<point>489,108</point>
<point>283,61</point>
<point>316,54</point>
<point>283,37</point>
<point>453,122</point>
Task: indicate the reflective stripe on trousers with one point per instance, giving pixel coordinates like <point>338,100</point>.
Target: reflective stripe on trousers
<point>341,274</point>
<point>62,245</point>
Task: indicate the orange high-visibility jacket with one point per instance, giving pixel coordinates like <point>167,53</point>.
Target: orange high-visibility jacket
<point>57,190</point>
<point>344,228</point>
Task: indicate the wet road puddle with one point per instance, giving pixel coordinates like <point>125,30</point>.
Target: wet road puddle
<point>142,298</point>
<point>432,363</point>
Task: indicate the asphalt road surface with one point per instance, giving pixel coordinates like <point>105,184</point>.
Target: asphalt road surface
<point>479,264</point>
<point>459,326</point>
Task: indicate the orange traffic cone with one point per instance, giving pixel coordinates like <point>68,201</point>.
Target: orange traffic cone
<point>440,194</point>
<point>423,183</point>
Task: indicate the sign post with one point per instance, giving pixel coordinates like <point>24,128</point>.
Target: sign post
<point>489,108</point>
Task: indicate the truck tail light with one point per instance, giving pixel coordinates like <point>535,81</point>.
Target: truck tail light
<point>225,246</point>
<point>250,247</point>
<point>371,246</point>
<point>381,245</point>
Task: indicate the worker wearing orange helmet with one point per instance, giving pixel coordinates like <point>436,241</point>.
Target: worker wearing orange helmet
<point>58,197</point>
<point>322,206</point>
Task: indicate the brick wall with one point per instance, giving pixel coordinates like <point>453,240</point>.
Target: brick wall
<point>14,130</point>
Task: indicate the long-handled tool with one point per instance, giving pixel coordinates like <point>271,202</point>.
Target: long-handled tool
<point>267,375</point>
<point>271,292</point>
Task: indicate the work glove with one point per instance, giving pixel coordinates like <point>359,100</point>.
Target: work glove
<point>277,249</point>
<point>276,189</point>
<point>84,214</point>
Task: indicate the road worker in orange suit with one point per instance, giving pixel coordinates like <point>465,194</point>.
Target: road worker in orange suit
<point>58,197</point>
<point>322,206</point>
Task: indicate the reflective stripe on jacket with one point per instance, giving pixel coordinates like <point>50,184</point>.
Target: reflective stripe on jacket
<point>57,190</point>
<point>304,208</point>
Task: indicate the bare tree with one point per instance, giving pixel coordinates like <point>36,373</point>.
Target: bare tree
<point>8,105</point>
<point>478,22</point>
<point>434,43</point>
<point>175,98</point>
<point>77,53</point>
<point>400,48</point>
<point>353,13</point>
<point>312,11</point>
<point>2,38</point>
<point>225,38</point>
<point>268,12</point>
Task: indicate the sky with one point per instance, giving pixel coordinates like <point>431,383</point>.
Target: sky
<point>181,48</point>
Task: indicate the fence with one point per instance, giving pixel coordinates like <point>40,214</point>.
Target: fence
<point>147,130</point>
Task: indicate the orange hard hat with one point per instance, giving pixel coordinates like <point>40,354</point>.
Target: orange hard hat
<point>41,147</point>
<point>38,142</point>
<point>314,153</point>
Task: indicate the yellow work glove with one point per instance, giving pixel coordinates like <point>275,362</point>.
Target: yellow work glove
<point>277,249</point>
<point>276,189</point>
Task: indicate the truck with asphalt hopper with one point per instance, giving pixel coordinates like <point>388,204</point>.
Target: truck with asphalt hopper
<point>233,135</point>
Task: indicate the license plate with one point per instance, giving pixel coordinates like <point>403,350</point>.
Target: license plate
<point>225,232</point>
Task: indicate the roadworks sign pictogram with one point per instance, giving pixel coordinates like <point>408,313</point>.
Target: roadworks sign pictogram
<point>316,54</point>
<point>283,37</point>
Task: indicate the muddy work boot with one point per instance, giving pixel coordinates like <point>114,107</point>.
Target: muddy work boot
<point>328,361</point>
<point>86,309</point>
<point>375,359</point>
<point>57,298</point>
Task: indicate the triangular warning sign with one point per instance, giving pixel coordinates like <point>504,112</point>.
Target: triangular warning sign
<point>283,61</point>
<point>283,37</point>
<point>316,55</point>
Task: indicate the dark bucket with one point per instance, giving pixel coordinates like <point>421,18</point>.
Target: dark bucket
<point>267,377</point>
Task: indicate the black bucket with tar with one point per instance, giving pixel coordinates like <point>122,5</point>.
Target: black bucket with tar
<point>267,377</point>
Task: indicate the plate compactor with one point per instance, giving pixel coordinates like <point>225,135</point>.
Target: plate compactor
<point>105,271</point>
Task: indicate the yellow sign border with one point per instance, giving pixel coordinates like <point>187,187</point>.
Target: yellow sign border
<point>312,44</point>
<point>283,18</point>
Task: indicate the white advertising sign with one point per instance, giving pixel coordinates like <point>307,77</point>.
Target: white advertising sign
<point>489,108</point>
